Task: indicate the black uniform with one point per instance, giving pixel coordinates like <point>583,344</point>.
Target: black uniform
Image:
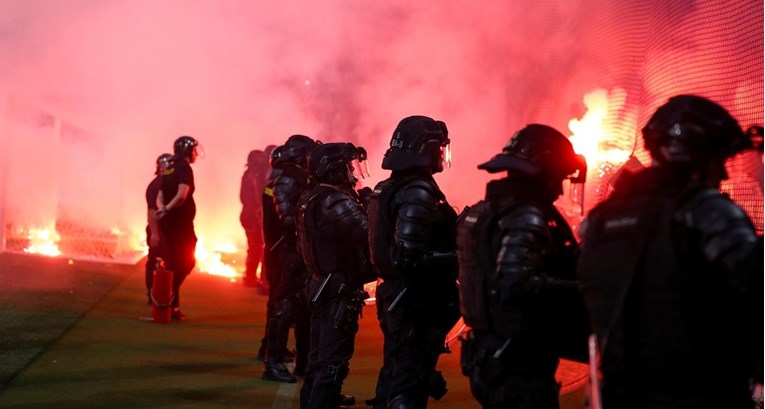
<point>517,259</point>
<point>412,238</point>
<point>288,304</point>
<point>177,225</point>
<point>332,231</point>
<point>671,270</point>
<point>152,191</point>
<point>672,275</point>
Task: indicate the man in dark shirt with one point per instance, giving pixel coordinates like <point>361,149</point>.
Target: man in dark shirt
<point>152,228</point>
<point>176,214</point>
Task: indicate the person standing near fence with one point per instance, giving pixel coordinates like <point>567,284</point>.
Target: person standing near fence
<point>153,234</point>
<point>251,217</point>
<point>671,271</point>
<point>176,212</point>
<point>517,258</point>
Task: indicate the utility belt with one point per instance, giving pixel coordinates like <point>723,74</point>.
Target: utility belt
<point>479,353</point>
<point>348,307</point>
<point>346,302</point>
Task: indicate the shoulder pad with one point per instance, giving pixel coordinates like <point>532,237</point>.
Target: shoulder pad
<point>335,197</point>
<point>418,190</point>
<point>523,217</point>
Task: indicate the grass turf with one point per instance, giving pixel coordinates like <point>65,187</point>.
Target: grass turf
<point>72,337</point>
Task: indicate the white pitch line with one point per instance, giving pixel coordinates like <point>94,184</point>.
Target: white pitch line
<point>285,393</point>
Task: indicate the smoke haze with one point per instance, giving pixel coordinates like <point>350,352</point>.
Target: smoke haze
<point>124,78</point>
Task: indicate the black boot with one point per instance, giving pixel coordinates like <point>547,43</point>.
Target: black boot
<point>406,401</point>
<point>276,371</point>
<point>346,400</point>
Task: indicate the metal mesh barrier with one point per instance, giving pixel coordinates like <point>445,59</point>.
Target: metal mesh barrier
<point>660,49</point>
<point>626,58</point>
<point>53,177</point>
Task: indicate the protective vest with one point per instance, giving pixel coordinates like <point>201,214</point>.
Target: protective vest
<point>476,261</point>
<point>632,245</point>
<point>562,312</point>
<point>382,226</point>
<point>324,250</point>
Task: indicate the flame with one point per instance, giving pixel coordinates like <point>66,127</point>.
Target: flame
<point>591,136</point>
<point>211,262</point>
<point>43,241</point>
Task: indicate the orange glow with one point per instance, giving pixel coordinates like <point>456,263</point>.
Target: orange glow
<point>211,261</point>
<point>43,241</point>
<point>590,133</point>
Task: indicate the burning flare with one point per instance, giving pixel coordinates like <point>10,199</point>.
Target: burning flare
<point>43,241</point>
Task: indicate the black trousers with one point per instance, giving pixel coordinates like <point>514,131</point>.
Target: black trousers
<point>180,244</point>
<point>254,255</point>
<point>411,346</point>
<point>330,354</point>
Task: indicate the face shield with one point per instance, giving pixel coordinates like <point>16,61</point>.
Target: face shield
<point>577,180</point>
<point>358,165</point>
<point>446,154</point>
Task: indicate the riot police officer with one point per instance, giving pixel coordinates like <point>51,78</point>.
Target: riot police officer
<point>332,234</point>
<point>412,239</point>
<point>671,270</point>
<point>287,303</point>
<point>517,258</point>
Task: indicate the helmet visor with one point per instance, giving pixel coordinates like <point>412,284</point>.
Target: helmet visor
<point>446,155</point>
<point>359,168</point>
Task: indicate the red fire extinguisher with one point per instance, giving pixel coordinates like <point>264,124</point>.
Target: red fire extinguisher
<point>161,293</point>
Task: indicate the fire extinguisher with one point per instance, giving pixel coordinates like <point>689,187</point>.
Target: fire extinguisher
<point>161,293</point>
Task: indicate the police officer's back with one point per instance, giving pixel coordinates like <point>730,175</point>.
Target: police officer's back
<point>517,259</point>
<point>672,271</point>
<point>412,240</point>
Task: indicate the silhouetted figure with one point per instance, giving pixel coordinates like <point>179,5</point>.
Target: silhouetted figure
<point>517,258</point>
<point>412,238</point>
<point>176,214</point>
<point>332,237</point>
<point>287,304</point>
<point>250,194</point>
<point>153,234</point>
<point>671,271</point>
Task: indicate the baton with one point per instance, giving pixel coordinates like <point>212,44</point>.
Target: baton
<point>323,284</point>
<point>398,297</point>
<point>281,239</point>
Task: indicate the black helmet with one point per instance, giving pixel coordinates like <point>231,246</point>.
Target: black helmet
<point>337,163</point>
<point>539,151</point>
<point>294,152</point>
<point>418,142</point>
<point>163,162</point>
<point>184,145</point>
<point>691,132</point>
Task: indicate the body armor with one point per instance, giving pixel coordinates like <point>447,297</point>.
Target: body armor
<point>287,188</point>
<point>329,224</point>
<point>517,262</point>
<point>691,250</point>
<point>391,255</point>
